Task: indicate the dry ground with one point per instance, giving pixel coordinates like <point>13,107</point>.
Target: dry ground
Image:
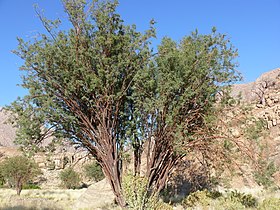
<point>39,199</point>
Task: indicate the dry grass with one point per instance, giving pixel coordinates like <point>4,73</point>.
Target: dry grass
<point>39,199</point>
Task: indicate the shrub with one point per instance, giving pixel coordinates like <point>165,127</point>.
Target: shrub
<point>18,171</point>
<point>264,175</point>
<point>31,186</point>
<point>246,200</point>
<point>160,205</point>
<point>199,197</point>
<point>70,178</point>
<point>215,200</point>
<point>93,171</point>
<point>228,204</point>
<point>2,179</point>
<point>270,204</point>
<point>136,193</point>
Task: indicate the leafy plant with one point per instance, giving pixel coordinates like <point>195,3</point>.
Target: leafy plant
<point>270,204</point>
<point>136,194</point>
<point>263,176</point>
<point>246,200</point>
<point>19,170</point>
<point>200,197</point>
<point>94,171</point>
<point>256,129</point>
<point>70,178</point>
<point>31,185</point>
<point>228,204</point>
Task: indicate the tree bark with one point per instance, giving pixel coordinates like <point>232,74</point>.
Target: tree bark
<point>137,151</point>
<point>18,187</point>
<point>111,172</point>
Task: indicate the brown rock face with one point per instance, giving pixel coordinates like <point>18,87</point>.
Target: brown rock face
<point>256,91</point>
<point>7,132</point>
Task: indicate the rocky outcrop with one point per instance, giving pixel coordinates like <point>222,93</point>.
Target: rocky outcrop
<point>254,92</point>
<point>7,132</point>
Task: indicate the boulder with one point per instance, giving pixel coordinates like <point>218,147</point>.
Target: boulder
<point>96,196</point>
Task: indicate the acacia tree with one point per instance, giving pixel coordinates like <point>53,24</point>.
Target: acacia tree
<point>99,86</point>
<point>18,171</point>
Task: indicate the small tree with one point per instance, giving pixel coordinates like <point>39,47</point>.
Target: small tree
<point>19,170</point>
<point>94,171</point>
<point>70,178</point>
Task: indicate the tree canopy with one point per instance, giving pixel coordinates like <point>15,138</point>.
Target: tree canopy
<point>100,86</point>
<point>18,171</point>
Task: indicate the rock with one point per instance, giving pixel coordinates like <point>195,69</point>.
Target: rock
<point>274,122</point>
<point>235,133</point>
<point>259,105</point>
<point>96,196</point>
<point>269,102</point>
<point>42,165</point>
<point>269,124</point>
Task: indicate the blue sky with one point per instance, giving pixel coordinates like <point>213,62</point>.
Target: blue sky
<point>252,25</point>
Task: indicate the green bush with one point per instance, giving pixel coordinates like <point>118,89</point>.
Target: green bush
<point>70,178</point>
<point>93,171</point>
<point>19,170</point>
<point>200,197</point>
<point>227,204</point>
<point>160,205</point>
<point>2,180</point>
<point>31,186</point>
<point>246,200</point>
<point>136,193</point>
<point>270,204</point>
<point>264,175</point>
<point>215,200</point>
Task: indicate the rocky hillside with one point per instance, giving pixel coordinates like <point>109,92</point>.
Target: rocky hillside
<point>7,132</point>
<point>262,98</point>
<point>254,92</point>
<point>50,163</point>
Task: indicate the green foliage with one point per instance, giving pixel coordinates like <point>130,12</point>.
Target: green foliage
<point>136,193</point>
<point>31,186</point>
<point>263,175</point>
<point>216,200</point>
<point>228,204</point>
<point>203,198</point>
<point>93,171</point>
<point>255,129</point>
<point>2,180</point>
<point>184,82</point>
<point>270,204</point>
<point>200,197</point>
<point>70,179</point>
<point>195,198</point>
<point>19,170</point>
<point>160,205</point>
<point>246,200</point>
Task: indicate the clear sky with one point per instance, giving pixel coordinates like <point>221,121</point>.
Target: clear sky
<point>252,25</point>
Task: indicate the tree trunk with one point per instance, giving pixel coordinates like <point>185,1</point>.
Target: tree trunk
<point>137,151</point>
<point>160,163</point>
<point>18,187</point>
<point>111,172</point>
